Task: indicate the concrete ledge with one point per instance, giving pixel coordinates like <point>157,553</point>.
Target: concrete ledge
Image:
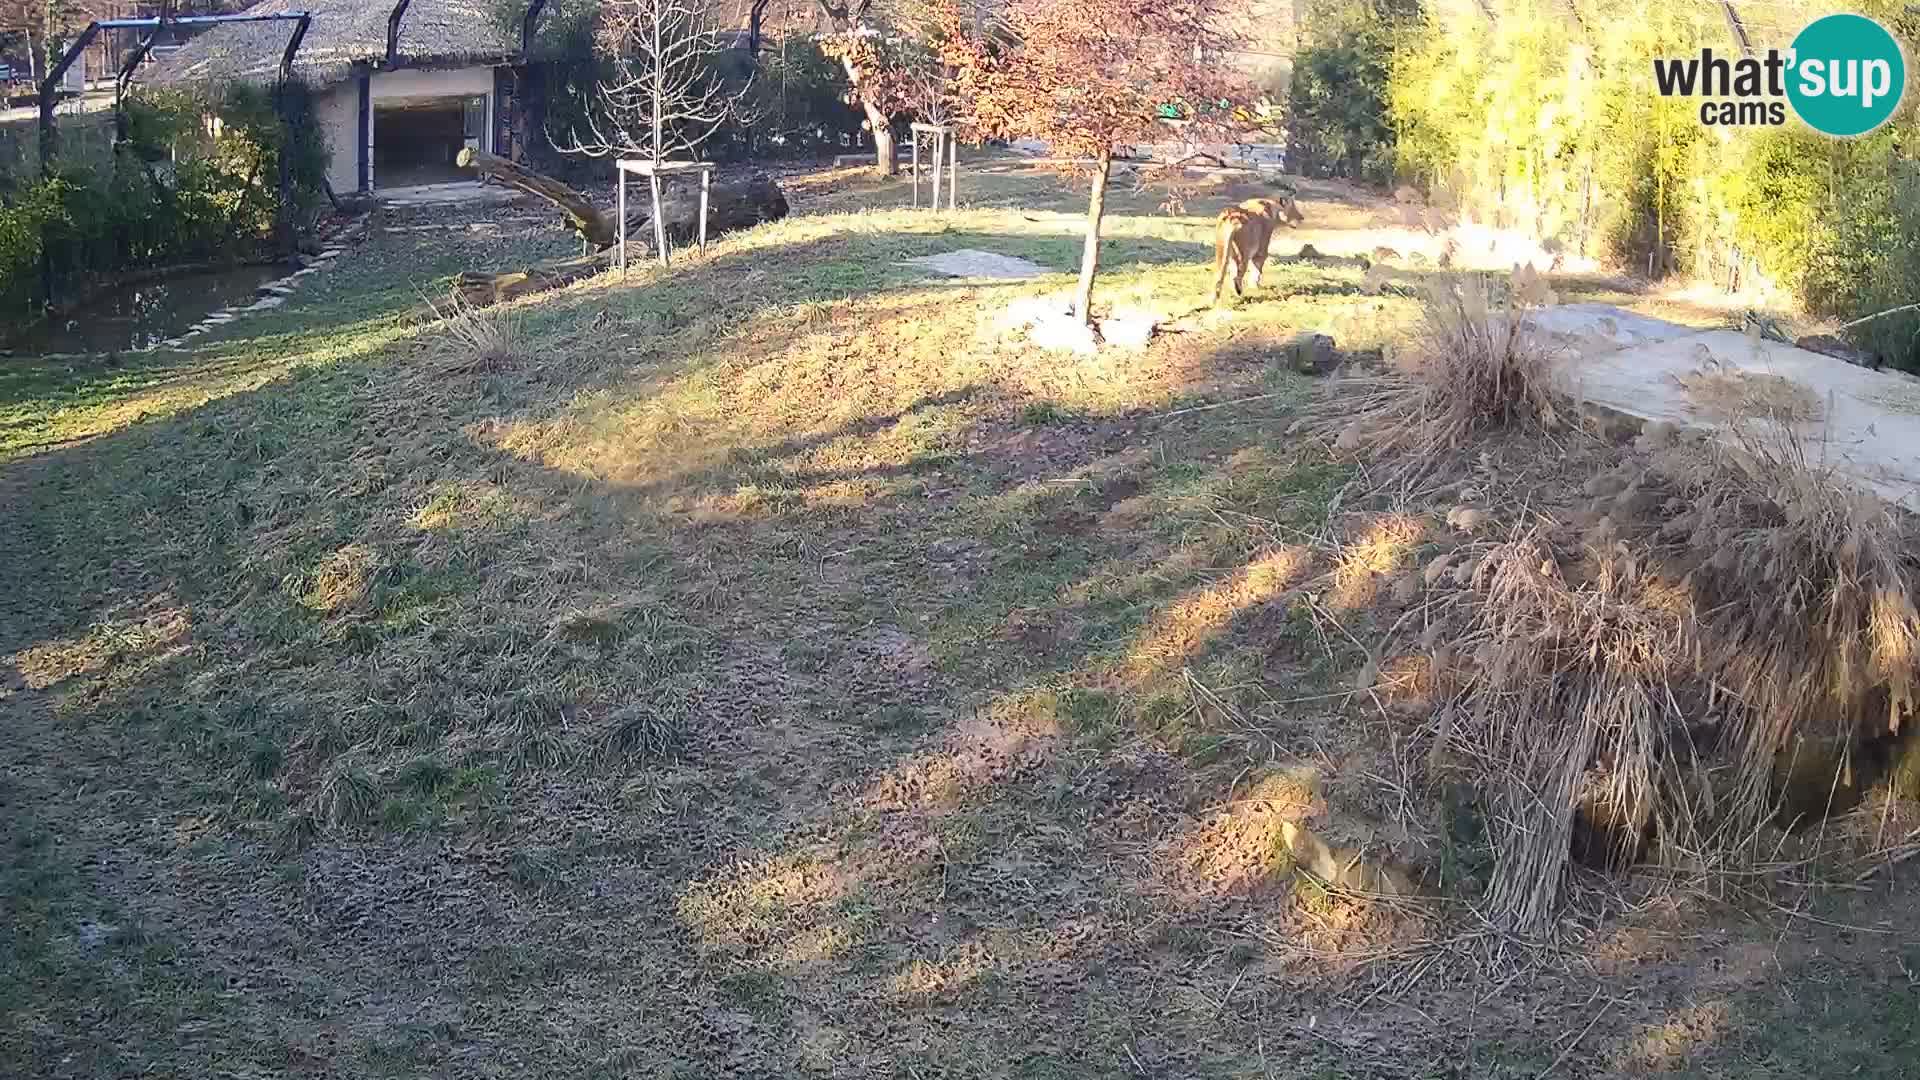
<point>1624,370</point>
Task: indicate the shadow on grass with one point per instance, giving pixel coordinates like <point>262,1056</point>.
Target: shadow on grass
<point>287,599</point>
<point>895,770</point>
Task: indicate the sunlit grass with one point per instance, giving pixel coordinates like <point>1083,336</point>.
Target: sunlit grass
<point>775,654</point>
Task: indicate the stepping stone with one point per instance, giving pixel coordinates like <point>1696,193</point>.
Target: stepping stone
<point>1127,332</point>
<point>174,342</point>
<point>266,302</point>
<point>974,263</point>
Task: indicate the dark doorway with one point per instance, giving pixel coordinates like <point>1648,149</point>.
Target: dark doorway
<point>416,140</point>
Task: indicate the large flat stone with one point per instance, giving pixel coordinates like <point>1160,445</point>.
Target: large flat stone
<point>974,263</point>
<point>1870,423</point>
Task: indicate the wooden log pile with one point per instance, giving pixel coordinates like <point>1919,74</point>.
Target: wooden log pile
<point>732,204</point>
<point>736,204</point>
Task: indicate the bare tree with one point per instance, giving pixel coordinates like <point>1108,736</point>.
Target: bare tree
<point>663,94</point>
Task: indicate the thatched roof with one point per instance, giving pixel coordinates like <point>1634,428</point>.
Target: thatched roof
<point>438,33</point>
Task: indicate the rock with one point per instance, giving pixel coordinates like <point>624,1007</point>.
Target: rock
<point>1127,333</point>
<point>1466,518</point>
<point>1311,353</point>
<point>1829,345</point>
<point>974,263</point>
<point>1065,333</point>
<point>174,342</point>
<point>1341,868</point>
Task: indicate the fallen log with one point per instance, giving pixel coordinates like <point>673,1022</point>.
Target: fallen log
<point>731,205</point>
<point>596,228</point>
<point>734,204</point>
<point>471,289</point>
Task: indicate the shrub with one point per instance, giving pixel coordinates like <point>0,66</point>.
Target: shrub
<point>799,100</point>
<point>179,189</point>
<point>1866,259</point>
<point>480,339</point>
<point>1339,116</point>
<point>1475,364</point>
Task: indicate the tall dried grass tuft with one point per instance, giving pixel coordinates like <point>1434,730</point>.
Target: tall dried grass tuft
<point>1566,706</point>
<point>1806,587</point>
<point>480,339</point>
<point>1476,363</point>
<point>1736,601</point>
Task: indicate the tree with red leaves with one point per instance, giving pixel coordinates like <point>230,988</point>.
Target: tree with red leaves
<point>1093,77</point>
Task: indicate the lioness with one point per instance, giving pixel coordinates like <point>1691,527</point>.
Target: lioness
<point>1243,234</point>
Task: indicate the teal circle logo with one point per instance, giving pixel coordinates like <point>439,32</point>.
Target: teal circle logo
<point>1846,75</point>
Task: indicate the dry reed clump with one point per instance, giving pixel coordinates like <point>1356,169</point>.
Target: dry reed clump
<point>479,339</point>
<point>1475,363</point>
<point>1637,687</point>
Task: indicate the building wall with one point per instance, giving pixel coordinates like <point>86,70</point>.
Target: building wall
<point>409,83</point>
<point>339,119</point>
<point>465,82</point>
<point>336,109</point>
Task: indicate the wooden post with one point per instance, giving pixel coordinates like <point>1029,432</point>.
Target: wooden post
<point>939,145</point>
<point>953,170</point>
<point>621,201</point>
<point>706,176</point>
<point>659,224</point>
<point>916,170</point>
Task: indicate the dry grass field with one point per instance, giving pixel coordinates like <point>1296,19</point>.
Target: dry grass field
<point>776,666</point>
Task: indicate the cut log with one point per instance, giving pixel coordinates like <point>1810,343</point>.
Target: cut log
<point>735,204</point>
<point>478,290</point>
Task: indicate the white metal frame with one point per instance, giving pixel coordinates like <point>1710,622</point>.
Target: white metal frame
<point>653,172</point>
<point>946,151</point>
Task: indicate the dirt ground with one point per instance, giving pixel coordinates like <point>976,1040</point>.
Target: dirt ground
<point>776,667</point>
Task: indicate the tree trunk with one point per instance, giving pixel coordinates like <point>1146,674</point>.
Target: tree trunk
<point>594,227</point>
<point>478,290</point>
<point>886,157</point>
<point>1090,255</point>
<point>736,204</point>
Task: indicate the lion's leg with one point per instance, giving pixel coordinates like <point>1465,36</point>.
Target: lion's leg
<point>1221,253</point>
<point>1259,258</point>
